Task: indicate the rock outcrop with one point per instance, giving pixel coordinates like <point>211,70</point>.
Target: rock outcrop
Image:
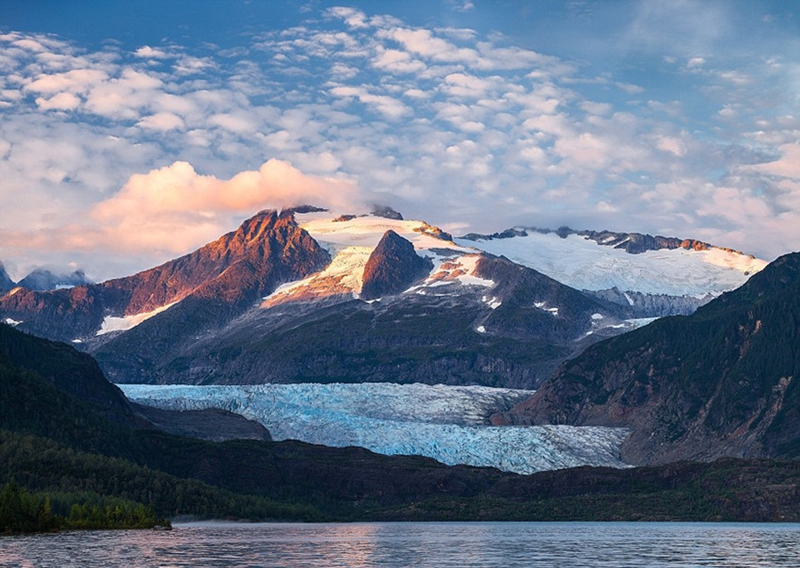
<point>392,267</point>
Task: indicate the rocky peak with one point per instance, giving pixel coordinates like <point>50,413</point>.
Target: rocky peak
<point>392,267</point>
<point>386,212</point>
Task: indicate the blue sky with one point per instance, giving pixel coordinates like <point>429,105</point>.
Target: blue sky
<point>134,132</point>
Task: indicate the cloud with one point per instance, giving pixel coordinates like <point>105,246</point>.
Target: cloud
<point>788,165</point>
<point>389,107</point>
<point>443,122</point>
<point>160,210</point>
<point>151,53</point>
<point>61,101</point>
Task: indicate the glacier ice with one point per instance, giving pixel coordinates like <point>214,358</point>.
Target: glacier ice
<point>447,423</point>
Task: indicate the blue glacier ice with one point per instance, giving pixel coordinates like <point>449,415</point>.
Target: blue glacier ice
<point>447,423</point>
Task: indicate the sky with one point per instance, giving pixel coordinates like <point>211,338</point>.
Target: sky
<point>134,132</point>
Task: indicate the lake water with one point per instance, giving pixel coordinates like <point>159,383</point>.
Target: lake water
<point>441,545</point>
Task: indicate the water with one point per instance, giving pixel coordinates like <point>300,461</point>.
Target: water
<point>442,545</point>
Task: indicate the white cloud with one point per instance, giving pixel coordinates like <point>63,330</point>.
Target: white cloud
<point>61,101</point>
<point>389,107</point>
<point>162,121</point>
<point>151,53</point>
<point>788,165</point>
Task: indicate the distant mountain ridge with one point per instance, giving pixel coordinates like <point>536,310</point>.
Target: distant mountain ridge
<point>721,382</point>
<point>633,243</point>
<point>43,279</point>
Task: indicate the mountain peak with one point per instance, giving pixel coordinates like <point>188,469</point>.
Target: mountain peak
<point>392,267</point>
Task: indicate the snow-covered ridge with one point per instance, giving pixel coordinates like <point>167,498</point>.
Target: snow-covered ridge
<point>350,241</point>
<point>442,422</point>
<point>587,265</point>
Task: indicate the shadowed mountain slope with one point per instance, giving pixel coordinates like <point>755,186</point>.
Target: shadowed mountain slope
<point>722,382</point>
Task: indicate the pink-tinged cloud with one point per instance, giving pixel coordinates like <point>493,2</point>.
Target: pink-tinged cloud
<point>175,208</point>
<point>787,166</point>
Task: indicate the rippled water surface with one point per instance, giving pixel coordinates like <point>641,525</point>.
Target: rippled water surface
<point>416,544</point>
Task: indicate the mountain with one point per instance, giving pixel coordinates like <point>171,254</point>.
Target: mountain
<point>467,318</point>
<point>721,382</point>
<point>56,444</point>
<point>210,285</point>
<point>306,295</point>
<point>652,276</point>
<point>42,279</point>
<point>5,280</point>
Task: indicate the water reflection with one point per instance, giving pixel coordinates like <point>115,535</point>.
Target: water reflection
<point>415,544</point>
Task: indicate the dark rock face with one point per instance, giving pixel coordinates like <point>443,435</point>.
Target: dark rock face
<point>386,212</point>
<point>41,279</point>
<point>722,382</point>
<point>5,280</point>
<point>392,267</point>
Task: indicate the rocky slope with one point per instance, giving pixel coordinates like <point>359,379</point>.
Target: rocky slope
<point>722,382</point>
<point>392,267</point>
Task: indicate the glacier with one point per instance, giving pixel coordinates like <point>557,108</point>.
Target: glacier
<point>446,423</point>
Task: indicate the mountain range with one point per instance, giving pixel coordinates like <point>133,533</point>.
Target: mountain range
<point>307,296</point>
<point>304,295</point>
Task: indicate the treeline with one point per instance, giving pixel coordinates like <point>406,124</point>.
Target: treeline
<point>43,465</point>
<point>24,512</point>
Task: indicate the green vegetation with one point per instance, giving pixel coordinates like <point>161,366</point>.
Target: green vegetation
<point>23,512</point>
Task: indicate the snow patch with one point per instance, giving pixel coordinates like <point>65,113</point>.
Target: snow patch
<point>367,231</point>
<point>446,423</point>
<point>342,276</point>
<point>113,323</point>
